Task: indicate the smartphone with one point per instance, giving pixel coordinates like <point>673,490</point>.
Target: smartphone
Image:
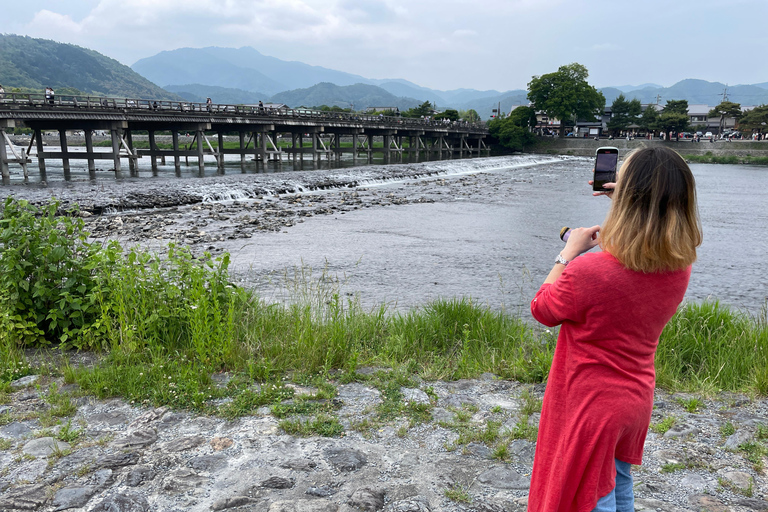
<point>606,159</point>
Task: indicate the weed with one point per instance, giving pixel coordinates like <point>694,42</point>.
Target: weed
<point>691,405</point>
<point>458,493</point>
<point>402,432</point>
<point>727,430</point>
<point>727,484</point>
<point>67,434</point>
<point>501,452</point>
<point>531,404</point>
<point>322,425</point>
<point>84,470</point>
<point>761,432</point>
<point>671,467</point>
<point>496,409</point>
<point>5,444</point>
<point>754,452</point>
<point>664,425</point>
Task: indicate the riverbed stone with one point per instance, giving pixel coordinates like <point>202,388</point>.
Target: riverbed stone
<point>502,477</point>
<point>44,447</point>
<point>15,430</point>
<point>346,459</point>
<point>125,501</point>
<point>138,475</point>
<point>116,460</point>
<point>736,439</point>
<point>302,506</point>
<point>72,497</point>
<point>24,497</point>
<point>367,499</point>
<point>23,382</point>
<point>136,439</point>
<point>413,504</point>
<point>184,443</point>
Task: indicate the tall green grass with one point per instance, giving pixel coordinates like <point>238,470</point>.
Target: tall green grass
<point>166,323</point>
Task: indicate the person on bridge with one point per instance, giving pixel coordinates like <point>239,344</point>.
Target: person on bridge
<point>2,93</point>
<point>209,104</point>
<point>611,306</point>
<point>49,95</point>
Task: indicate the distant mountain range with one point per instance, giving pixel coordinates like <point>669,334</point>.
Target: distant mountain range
<point>243,75</point>
<point>30,63</point>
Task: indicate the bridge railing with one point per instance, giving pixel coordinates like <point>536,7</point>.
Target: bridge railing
<point>22,101</point>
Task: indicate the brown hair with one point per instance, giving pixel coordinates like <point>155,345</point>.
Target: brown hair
<point>653,224</point>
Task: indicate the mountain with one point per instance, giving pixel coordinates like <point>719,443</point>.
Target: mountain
<point>359,96</point>
<point>38,63</point>
<point>695,92</point>
<point>630,88</point>
<point>222,95</point>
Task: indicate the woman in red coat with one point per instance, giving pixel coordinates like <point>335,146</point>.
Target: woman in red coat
<point>611,306</point>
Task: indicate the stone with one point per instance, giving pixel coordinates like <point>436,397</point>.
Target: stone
<point>235,501</point>
<point>681,429</point>
<point>736,439</point>
<point>101,477</point>
<point>126,501</point>
<point>643,505</point>
<point>24,382</point>
<point>738,478</point>
<point>522,450</point>
<point>72,497</point>
<point>44,446</point>
<point>346,459</point>
<point>183,480</point>
<point>694,482</point>
<point>303,506</point>
<point>706,503</point>
<point>110,418</point>
<point>502,477</point>
<point>213,462</point>
<point>278,482</point>
<point>149,417</point>
<point>221,443</point>
<point>753,504</point>
<point>24,497</point>
<point>15,430</point>
<point>138,475</point>
<point>117,460</point>
<point>299,464</point>
<point>415,396</point>
<point>413,504</point>
<point>367,499</point>
<point>184,443</point>
<point>136,439</point>
<point>321,492</point>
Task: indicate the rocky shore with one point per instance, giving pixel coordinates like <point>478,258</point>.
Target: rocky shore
<point>109,455</point>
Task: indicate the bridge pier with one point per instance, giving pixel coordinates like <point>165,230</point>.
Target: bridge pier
<point>176,157</point>
<point>132,165</point>
<point>153,147</point>
<point>89,150</point>
<point>65,154</point>
<point>40,159</point>
<point>115,133</point>
<point>4,169</point>
<point>200,153</point>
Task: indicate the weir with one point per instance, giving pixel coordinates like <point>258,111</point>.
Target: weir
<point>259,129</point>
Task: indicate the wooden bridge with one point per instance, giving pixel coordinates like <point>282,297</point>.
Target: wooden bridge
<point>257,128</point>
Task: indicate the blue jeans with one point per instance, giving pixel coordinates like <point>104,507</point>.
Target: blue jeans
<point>622,497</point>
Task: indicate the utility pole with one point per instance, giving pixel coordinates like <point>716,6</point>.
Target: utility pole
<point>725,93</point>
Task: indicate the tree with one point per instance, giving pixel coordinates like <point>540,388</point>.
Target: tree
<point>725,109</point>
<point>425,109</point>
<point>450,114</point>
<point>650,119</point>
<point>623,114</point>
<point>565,94</point>
<point>674,117</point>
<point>470,116</point>
<point>755,120</point>
<point>514,131</point>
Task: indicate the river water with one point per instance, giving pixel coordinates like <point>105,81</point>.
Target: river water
<point>489,231</point>
<point>494,237</point>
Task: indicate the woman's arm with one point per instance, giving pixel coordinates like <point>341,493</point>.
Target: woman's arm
<point>580,241</point>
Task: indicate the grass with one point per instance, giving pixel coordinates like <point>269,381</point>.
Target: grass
<point>164,323</point>
<point>727,159</point>
<point>691,405</point>
<point>664,425</point>
<point>458,493</point>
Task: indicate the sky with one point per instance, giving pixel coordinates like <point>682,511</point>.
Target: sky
<point>440,44</point>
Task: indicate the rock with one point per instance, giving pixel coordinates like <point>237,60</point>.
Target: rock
<point>72,497</point>
<point>139,475</point>
<point>753,504</point>
<point>694,482</point>
<point>321,492</point>
<point>24,382</point>
<point>502,477</point>
<point>736,439</point>
<point>367,500</point>
<point>182,480</point>
<point>44,446</point>
<point>303,506</point>
<point>299,464</point>
<point>136,439</point>
<point>101,478</point>
<point>738,478</point>
<point>110,418</point>
<point>278,482</point>
<point>706,503</point>
<point>415,396</point>
<point>15,430</point>
<point>235,501</point>
<point>25,497</point>
<point>681,429</point>
<point>117,460</point>
<point>414,504</point>
<point>184,443</point>
<point>126,501</point>
<point>346,459</point>
<point>221,443</point>
<point>211,462</point>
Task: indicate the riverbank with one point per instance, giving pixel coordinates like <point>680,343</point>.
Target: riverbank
<point>739,149</point>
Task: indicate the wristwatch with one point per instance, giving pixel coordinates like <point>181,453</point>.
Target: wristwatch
<point>561,260</point>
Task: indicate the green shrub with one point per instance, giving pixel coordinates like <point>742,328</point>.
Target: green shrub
<point>47,274</point>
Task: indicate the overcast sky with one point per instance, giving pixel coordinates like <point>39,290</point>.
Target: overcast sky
<point>441,44</point>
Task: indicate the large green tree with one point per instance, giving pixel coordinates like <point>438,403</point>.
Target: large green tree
<point>566,95</point>
<point>755,120</point>
<point>674,117</point>
<point>650,119</point>
<point>450,114</point>
<point>470,116</point>
<point>725,109</point>
<point>425,109</point>
<point>623,114</point>
<point>514,131</point>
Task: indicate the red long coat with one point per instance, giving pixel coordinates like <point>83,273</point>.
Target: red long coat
<point>599,396</point>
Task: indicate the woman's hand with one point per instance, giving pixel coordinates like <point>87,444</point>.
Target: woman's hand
<point>611,185</point>
<point>580,241</point>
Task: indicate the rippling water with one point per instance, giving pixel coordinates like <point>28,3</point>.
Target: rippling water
<point>498,243</point>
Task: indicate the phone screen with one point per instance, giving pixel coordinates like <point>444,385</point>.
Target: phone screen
<point>605,168</point>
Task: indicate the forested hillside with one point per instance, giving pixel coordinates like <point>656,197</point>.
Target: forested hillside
<point>31,63</point>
